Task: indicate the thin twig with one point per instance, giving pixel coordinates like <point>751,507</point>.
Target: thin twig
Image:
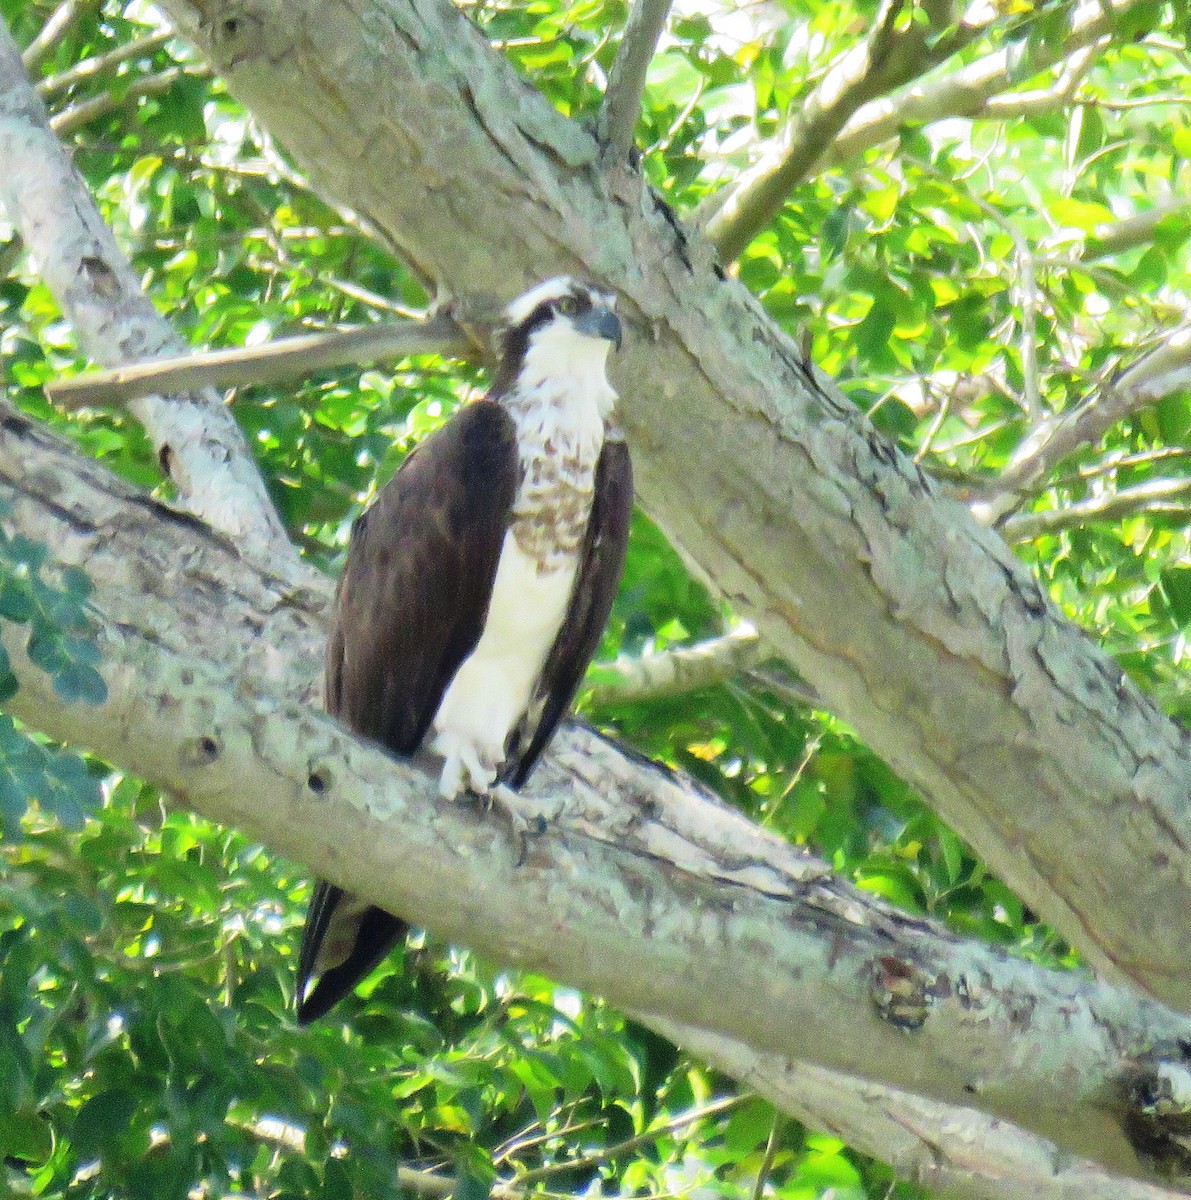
<point>101,64</point>
<point>1160,371</point>
<point>60,20</point>
<point>286,358</point>
<point>597,1157</point>
<point>72,119</point>
<point>763,1171</point>
<point>1167,496</point>
<point>626,79</point>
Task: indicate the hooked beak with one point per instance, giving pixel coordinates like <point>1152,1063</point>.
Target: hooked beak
<point>600,322</point>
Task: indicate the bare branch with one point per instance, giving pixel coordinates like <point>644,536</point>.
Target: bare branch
<point>101,64</point>
<point>72,119</point>
<point>1164,369</point>
<point>60,21</point>
<point>894,53</point>
<point>626,80</point>
<point>1156,495</point>
<point>197,440</point>
<point>1118,237</point>
<point>286,358</point>
<point>660,898</point>
<point>970,91</point>
<point>677,670</point>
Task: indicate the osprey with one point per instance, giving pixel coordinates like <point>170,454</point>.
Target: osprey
<point>477,587</point>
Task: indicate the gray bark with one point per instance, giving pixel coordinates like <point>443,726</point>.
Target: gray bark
<point>913,623</point>
<point>641,888</point>
<point>198,443</point>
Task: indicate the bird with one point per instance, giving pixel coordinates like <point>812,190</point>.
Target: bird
<point>477,587</point>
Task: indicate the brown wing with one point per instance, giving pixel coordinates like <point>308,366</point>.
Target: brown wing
<point>409,609</point>
<point>414,593</point>
<point>596,582</point>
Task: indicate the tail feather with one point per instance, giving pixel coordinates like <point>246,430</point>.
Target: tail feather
<point>344,940</point>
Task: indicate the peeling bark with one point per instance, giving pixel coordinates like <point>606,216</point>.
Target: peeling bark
<point>642,888</point>
<point>913,623</point>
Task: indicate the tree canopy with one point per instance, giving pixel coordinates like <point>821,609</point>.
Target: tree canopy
<point>974,221</point>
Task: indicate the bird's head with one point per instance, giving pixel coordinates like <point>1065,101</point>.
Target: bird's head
<point>563,327</point>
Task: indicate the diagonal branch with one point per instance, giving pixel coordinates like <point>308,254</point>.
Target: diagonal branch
<point>972,91</point>
<point>895,52</point>
<point>1155,495</point>
<point>656,896</point>
<point>102,64</point>
<point>274,362</point>
<point>74,118</point>
<point>1129,233</point>
<point>626,80</point>
<point>56,27</point>
<point>198,442</point>
<point>1163,370</point>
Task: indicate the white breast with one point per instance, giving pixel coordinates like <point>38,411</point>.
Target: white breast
<point>558,404</point>
<point>492,689</point>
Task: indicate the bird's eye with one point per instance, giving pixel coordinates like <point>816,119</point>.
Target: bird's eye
<point>568,306</point>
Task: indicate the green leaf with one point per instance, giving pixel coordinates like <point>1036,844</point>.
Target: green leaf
<point>81,682</point>
<point>102,1119</point>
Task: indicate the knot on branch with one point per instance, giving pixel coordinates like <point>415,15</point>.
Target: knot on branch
<point>902,992</point>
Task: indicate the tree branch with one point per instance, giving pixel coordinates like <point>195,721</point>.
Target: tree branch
<point>677,670</point>
<point>74,118</point>
<point>1163,370</point>
<point>657,896</point>
<point>893,54</point>
<point>955,1152</point>
<point>273,362</point>
<point>101,64</point>
<point>914,624</point>
<point>1119,237</point>
<point>1156,495</point>
<point>626,80</point>
<point>970,91</point>
<point>198,441</point>
<point>58,25</point>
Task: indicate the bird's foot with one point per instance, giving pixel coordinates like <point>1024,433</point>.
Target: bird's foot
<point>465,768</point>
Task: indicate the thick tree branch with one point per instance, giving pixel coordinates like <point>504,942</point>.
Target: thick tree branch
<point>896,51</point>
<point>197,439</point>
<point>657,896</point>
<point>286,358</point>
<point>626,80</point>
<point>1160,372</point>
<point>960,1153</point>
<point>971,90</point>
<point>913,623</point>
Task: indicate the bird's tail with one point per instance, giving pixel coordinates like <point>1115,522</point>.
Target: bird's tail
<point>344,939</point>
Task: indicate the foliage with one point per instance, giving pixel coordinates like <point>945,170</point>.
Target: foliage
<point>146,958</point>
